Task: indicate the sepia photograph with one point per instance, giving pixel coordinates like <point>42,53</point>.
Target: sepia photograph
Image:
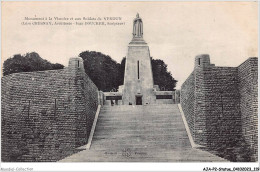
<point>140,82</point>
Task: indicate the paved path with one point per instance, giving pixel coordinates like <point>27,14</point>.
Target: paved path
<point>151,133</point>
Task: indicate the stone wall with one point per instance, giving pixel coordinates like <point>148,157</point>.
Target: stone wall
<point>220,102</point>
<point>165,97</point>
<point>188,101</point>
<point>47,114</point>
<point>200,129</point>
<point>112,98</point>
<point>162,97</point>
<point>248,89</point>
<point>222,110</point>
<point>177,94</point>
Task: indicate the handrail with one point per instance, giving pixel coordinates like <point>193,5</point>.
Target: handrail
<point>193,144</point>
<point>93,127</point>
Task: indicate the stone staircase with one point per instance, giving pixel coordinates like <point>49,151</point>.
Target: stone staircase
<point>150,133</point>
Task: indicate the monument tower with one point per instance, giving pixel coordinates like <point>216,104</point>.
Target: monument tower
<point>138,79</point>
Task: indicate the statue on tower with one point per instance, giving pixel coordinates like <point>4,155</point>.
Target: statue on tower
<point>137,27</point>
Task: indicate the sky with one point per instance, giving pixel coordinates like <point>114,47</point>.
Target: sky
<point>175,31</point>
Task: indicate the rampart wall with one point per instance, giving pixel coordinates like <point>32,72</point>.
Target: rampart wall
<point>46,114</point>
<point>220,104</point>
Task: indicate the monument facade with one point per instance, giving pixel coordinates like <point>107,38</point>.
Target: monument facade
<point>138,79</point>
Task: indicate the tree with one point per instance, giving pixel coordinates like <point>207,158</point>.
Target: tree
<point>122,71</point>
<point>162,76</point>
<point>28,63</point>
<point>105,72</point>
<point>102,70</point>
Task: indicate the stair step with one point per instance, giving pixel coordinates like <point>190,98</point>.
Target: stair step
<point>137,128</point>
<point>144,132</point>
<point>141,135</point>
<point>150,133</point>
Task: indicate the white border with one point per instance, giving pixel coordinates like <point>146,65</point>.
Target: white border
<point>124,166</point>
<point>128,166</point>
